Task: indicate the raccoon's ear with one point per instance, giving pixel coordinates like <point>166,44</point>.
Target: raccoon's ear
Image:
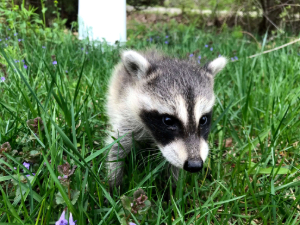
<point>217,65</point>
<point>135,63</point>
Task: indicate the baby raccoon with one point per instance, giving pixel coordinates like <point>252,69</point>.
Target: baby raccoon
<point>166,101</point>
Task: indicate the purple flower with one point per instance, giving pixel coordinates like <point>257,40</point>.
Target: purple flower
<point>54,63</point>
<point>86,52</point>
<point>150,39</point>
<point>191,55</point>
<point>219,55</point>
<point>25,66</point>
<point>23,60</point>
<point>8,28</point>
<point>66,71</point>
<point>232,59</point>
<point>27,165</point>
<point>19,40</point>
<point>43,46</point>
<point>130,223</point>
<point>199,61</point>
<point>2,79</point>
<point>206,46</point>
<point>71,221</point>
<point>30,175</point>
<point>15,168</point>
<point>0,39</point>
<point>15,34</point>
<point>5,38</point>
<point>236,58</point>
<point>82,49</point>
<point>166,42</point>
<point>211,48</point>
<point>167,36</point>
<point>62,220</point>
<point>199,57</point>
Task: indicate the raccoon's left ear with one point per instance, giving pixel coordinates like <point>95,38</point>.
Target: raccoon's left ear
<point>217,65</point>
<point>135,63</point>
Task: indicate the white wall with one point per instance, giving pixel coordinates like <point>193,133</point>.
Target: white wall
<point>100,19</point>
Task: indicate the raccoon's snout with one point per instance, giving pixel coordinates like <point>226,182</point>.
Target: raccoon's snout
<point>193,166</point>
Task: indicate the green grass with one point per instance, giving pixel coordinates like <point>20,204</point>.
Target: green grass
<point>251,177</point>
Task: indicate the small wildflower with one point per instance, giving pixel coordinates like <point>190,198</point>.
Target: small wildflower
<point>211,49</point>
<point>43,46</point>
<point>8,28</point>
<point>130,223</point>
<point>167,36</point>
<point>0,39</point>
<point>82,49</point>
<point>15,168</point>
<point>236,58</point>
<point>25,66</point>
<point>166,42</point>
<point>54,63</point>
<point>86,52</point>
<point>206,46</point>
<point>62,220</point>
<point>15,34</point>
<point>199,57</point>
<point>2,79</point>
<point>191,55</point>
<point>219,55</point>
<point>71,221</point>
<point>66,71</point>
<point>150,39</point>
<point>19,40</point>
<point>23,60</point>
<point>27,165</point>
<point>232,59</point>
<point>198,61</point>
<point>5,38</point>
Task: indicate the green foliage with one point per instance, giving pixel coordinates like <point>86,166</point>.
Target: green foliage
<point>52,115</point>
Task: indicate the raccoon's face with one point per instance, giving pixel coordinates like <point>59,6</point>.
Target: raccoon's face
<point>174,99</point>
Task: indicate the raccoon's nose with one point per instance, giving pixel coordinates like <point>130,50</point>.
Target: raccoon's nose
<point>193,166</point>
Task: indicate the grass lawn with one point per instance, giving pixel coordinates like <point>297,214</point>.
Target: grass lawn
<point>52,113</point>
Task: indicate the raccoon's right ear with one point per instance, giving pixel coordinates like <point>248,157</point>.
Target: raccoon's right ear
<point>135,63</point>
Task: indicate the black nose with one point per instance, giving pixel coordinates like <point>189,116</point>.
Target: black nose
<point>193,166</point>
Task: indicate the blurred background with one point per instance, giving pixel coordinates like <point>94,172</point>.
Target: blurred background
<point>258,16</point>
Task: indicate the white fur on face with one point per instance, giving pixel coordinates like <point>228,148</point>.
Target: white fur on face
<point>203,106</point>
<point>175,153</point>
<point>181,109</point>
<point>139,101</point>
<point>203,149</point>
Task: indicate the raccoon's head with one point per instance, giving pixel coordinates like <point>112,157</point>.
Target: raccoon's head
<point>174,100</point>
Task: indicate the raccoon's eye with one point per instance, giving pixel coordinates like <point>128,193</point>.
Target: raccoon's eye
<point>203,120</point>
<point>168,121</point>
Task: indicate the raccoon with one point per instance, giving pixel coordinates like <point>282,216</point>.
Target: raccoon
<point>161,100</point>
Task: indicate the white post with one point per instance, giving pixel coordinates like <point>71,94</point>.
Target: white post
<point>102,19</point>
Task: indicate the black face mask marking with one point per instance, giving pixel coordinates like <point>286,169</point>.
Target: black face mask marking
<point>163,133</point>
<point>203,129</point>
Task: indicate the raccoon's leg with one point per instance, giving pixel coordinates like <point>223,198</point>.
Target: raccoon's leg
<point>115,163</point>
